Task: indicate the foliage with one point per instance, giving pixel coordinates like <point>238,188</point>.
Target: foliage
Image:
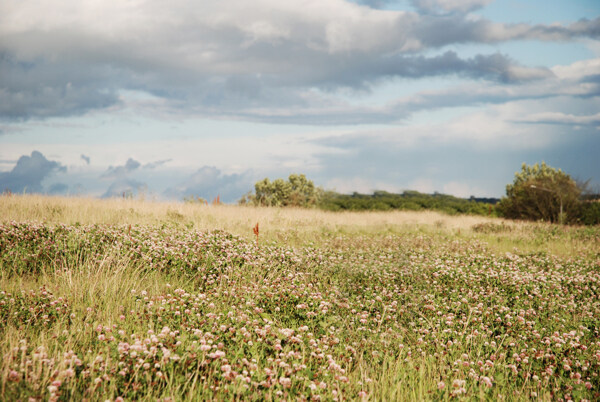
<point>491,227</point>
<point>298,191</point>
<point>28,248</point>
<point>589,213</point>
<point>32,309</point>
<point>589,210</point>
<point>540,192</point>
<point>408,200</point>
<point>376,318</point>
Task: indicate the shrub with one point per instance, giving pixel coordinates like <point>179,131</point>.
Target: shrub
<point>298,191</point>
<point>590,213</point>
<point>540,192</point>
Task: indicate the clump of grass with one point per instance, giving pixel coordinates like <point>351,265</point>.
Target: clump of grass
<point>491,227</point>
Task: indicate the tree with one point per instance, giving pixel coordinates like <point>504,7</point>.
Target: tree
<point>272,194</point>
<point>541,192</point>
<point>298,191</point>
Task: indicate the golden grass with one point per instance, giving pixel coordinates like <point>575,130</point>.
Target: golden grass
<point>293,226</point>
<point>236,219</point>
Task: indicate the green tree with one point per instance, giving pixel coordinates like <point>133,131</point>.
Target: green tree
<point>297,191</point>
<point>541,192</point>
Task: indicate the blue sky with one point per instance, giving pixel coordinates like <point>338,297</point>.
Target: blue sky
<point>181,98</point>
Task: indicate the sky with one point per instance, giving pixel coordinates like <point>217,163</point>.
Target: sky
<point>167,100</point>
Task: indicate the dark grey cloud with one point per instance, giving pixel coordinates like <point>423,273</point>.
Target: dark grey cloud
<point>209,182</point>
<point>439,31</point>
<point>29,173</point>
<point>41,88</point>
<point>85,158</point>
<point>495,67</point>
<point>504,80</point>
<point>592,78</point>
<point>118,172</point>
<point>574,84</point>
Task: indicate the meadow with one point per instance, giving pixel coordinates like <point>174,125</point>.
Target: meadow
<point>137,300</point>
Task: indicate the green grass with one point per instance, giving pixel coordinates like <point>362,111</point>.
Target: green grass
<point>160,310</point>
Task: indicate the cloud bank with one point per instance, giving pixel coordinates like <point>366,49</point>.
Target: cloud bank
<point>29,173</point>
<point>250,60</point>
<point>178,94</point>
<point>209,182</point>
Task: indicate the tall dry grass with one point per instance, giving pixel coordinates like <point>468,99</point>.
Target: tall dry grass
<point>296,226</point>
<point>236,219</point>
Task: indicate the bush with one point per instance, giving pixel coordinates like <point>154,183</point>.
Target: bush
<point>540,192</point>
<point>590,213</point>
<point>408,200</point>
<point>298,191</point>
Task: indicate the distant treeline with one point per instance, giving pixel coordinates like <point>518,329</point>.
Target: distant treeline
<point>538,193</point>
<point>408,200</point>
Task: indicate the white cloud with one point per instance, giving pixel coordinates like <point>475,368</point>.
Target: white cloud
<point>577,70</point>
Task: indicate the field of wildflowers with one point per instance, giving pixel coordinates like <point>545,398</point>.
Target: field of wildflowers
<point>168,312</point>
